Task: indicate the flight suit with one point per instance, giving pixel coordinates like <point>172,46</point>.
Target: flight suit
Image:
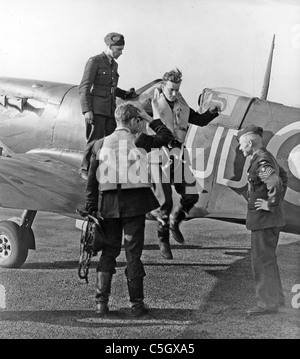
<point>98,91</point>
<point>266,180</point>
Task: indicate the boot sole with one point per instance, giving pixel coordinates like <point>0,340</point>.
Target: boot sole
<point>140,314</point>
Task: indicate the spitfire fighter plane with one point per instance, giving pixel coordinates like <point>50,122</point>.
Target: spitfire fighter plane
<point>42,137</point>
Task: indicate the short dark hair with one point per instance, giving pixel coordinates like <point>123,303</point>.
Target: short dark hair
<point>125,112</point>
<point>173,76</point>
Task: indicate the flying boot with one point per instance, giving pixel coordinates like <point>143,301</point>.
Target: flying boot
<point>163,233</point>
<point>103,292</point>
<point>136,296</point>
<point>178,216</point>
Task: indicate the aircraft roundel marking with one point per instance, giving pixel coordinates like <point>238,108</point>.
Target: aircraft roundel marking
<point>294,161</point>
<point>292,196</point>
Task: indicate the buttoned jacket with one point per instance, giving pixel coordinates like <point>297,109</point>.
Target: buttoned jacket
<point>266,180</point>
<point>98,88</point>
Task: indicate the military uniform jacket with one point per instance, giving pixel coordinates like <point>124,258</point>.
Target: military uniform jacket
<point>266,180</point>
<point>98,88</point>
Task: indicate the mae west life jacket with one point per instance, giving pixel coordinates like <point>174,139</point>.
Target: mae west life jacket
<point>121,163</point>
<point>175,119</point>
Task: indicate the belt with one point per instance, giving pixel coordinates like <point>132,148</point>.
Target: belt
<point>112,89</point>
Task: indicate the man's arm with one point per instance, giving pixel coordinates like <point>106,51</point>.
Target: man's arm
<point>87,81</point>
<point>121,93</point>
<point>284,178</point>
<point>147,106</point>
<point>92,186</point>
<point>162,138</point>
<point>126,95</point>
<point>268,175</point>
<point>203,119</point>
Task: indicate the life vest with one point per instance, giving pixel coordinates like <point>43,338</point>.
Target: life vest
<point>175,119</point>
<point>121,163</point>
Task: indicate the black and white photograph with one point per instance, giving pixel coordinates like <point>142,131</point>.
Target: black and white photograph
<point>149,172</point>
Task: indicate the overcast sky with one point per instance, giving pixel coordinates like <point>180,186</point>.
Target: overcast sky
<point>215,43</point>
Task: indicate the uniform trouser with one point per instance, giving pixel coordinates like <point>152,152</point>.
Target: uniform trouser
<point>268,287</point>
<point>102,126</point>
<point>163,191</point>
<point>186,190</point>
<point>133,229</point>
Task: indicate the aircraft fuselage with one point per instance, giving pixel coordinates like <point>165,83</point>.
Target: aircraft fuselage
<point>45,118</point>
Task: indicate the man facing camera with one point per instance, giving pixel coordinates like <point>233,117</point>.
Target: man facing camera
<point>98,91</point>
<point>175,113</point>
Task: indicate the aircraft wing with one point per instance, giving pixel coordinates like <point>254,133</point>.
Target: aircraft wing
<point>36,182</point>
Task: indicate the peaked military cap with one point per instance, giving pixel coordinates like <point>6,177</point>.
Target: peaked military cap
<point>250,129</point>
<point>113,38</point>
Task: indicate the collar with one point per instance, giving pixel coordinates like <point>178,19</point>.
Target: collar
<point>109,58</point>
<point>170,103</point>
<point>123,129</point>
<point>257,153</point>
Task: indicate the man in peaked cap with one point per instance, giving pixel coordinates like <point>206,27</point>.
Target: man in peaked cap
<point>98,91</point>
<point>267,183</point>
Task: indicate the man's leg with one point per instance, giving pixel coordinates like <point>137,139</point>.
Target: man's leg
<point>189,197</point>
<point>265,269</point>
<point>106,266</point>
<point>281,294</point>
<point>134,235</point>
<point>85,164</point>
<point>93,132</point>
<point>275,233</point>
<point>110,126</point>
<point>163,225</point>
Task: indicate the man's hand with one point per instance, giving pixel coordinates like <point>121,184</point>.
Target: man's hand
<point>131,94</point>
<point>214,109</point>
<point>261,204</point>
<point>91,208</point>
<point>89,117</point>
<point>144,114</point>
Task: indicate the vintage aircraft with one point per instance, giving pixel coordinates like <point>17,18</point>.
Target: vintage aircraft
<point>42,136</point>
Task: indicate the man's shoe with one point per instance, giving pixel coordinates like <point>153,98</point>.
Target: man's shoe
<point>261,311</point>
<point>281,304</point>
<point>165,250</point>
<point>102,308</point>
<point>84,175</point>
<point>174,228</point>
<point>139,310</point>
